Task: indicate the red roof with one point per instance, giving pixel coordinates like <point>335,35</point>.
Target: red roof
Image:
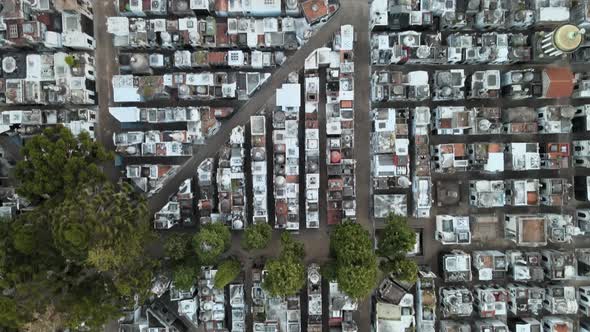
<point>314,10</point>
<point>221,34</point>
<point>558,82</point>
<point>346,103</point>
<point>335,157</point>
<point>216,57</point>
<point>281,208</point>
<point>221,5</point>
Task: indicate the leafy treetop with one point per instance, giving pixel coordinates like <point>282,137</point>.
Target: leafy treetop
<point>286,275</point>
<point>211,242</point>
<point>227,272</point>
<point>257,236</point>
<point>397,240</point>
<point>79,256</point>
<point>355,265</point>
<point>56,162</point>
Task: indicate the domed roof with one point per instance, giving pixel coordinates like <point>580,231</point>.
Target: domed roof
<point>335,157</point>
<point>568,37</point>
<point>131,150</point>
<point>238,224</point>
<point>139,62</point>
<point>9,64</point>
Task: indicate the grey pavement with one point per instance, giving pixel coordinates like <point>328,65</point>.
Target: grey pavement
<point>106,65</point>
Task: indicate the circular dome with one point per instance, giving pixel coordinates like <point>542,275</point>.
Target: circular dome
<point>312,168</point>
<point>131,150</point>
<point>484,125</point>
<point>444,78</point>
<point>568,37</point>
<point>9,64</point>
<point>314,277</point>
<point>279,116</point>
<point>403,182</point>
<point>528,76</point>
<point>184,89</point>
<point>280,159</point>
<point>516,77</point>
<point>335,157</point>
<point>280,181</point>
<point>409,40</point>
<point>138,61</point>
<point>238,224</point>
<point>567,112</point>
<point>257,154</point>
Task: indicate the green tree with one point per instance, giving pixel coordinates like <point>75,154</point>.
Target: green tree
<point>185,276</point>
<point>211,242</point>
<point>355,262</point>
<point>227,272</point>
<point>402,269</point>
<point>56,162</point>
<point>91,308</point>
<point>357,281</point>
<point>102,227</point>
<point>177,246</point>
<point>291,247</point>
<point>10,316</point>
<point>397,240</point>
<point>79,256</point>
<point>397,237</point>
<point>286,275</point>
<point>24,238</point>
<point>257,236</point>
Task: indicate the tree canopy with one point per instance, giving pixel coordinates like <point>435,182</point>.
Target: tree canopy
<point>286,274</point>
<point>397,240</point>
<point>101,227</point>
<point>185,276</point>
<point>84,257</point>
<point>227,272</point>
<point>211,242</point>
<point>79,255</point>
<point>56,162</point>
<point>257,236</point>
<point>398,237</point>
<point>177,246</point>
<point>355,263</point>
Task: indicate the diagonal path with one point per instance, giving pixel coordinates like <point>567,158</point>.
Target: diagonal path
<point>257,102</point>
